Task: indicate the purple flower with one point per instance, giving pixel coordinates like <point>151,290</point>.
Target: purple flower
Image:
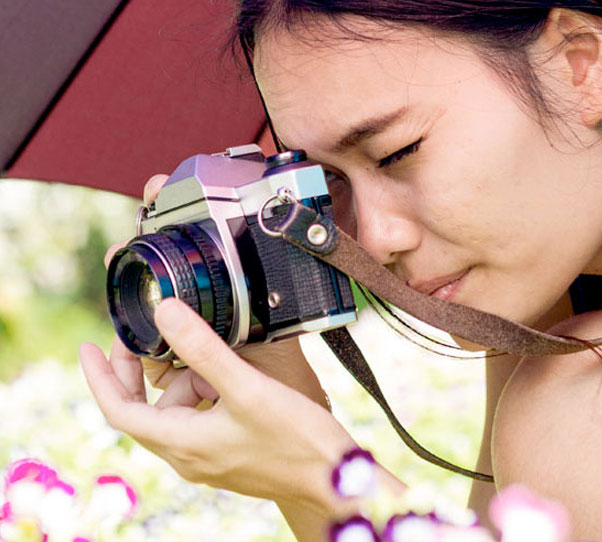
<point>355,475</point>
<point>355,529</point>
<point>412,528</point>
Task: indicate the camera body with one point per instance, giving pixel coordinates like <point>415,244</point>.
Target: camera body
<point>202,241</point>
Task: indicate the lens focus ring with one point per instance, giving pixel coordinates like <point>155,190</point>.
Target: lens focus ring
<point>185,282</point>
<point>218,275</point>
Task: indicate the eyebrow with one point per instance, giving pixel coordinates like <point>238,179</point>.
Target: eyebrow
<point>367,128</point>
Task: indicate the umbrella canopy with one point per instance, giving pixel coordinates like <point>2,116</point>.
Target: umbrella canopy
<point>107,93</point>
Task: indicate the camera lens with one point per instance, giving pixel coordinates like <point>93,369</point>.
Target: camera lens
<point>149,293</point>
<point>178,261</point>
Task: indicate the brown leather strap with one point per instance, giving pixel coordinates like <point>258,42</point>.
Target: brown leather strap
<point>488,330</point>
<point>346,350</point>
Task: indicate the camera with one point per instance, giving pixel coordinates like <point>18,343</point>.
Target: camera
<point>208,240</point>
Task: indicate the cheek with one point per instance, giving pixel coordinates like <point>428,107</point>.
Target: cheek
<point>474,193</point>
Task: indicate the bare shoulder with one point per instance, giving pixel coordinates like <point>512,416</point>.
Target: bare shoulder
<point>548,426</point>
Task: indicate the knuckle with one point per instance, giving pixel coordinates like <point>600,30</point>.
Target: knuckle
<point>112,250</point>
<point>152,187</point>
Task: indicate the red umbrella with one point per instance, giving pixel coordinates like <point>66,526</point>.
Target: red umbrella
<point>107,93</point>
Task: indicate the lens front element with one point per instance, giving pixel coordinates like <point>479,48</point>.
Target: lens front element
<point>149,293</point>
<point>178,261</point>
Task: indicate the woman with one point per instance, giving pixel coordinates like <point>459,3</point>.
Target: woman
<point>463,139</point>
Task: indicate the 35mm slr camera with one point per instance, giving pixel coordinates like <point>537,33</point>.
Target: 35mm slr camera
<point>206,241</point>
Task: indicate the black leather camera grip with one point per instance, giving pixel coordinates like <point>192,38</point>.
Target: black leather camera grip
<point>490,331</point>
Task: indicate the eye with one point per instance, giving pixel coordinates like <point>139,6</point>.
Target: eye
<point>400,154</point>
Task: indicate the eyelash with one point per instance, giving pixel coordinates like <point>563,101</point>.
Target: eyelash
<point>400,154</point>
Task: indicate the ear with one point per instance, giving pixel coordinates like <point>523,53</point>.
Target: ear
<point>577,37</point>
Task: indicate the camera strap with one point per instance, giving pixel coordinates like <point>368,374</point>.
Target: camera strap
<point>349,354</point>
<point>319,236</point>
<point>494,333</point>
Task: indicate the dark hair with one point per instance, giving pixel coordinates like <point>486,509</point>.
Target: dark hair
<point>500,30</point>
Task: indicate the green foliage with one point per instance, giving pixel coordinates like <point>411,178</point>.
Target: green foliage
<point>52,278</point>
<point>360,300</point>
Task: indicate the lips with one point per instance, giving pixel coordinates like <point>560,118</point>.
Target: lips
<point>443,285</point>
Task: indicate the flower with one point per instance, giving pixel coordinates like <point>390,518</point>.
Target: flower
<point>355,529</point>
<point>113,495</point>
<point>40,507</point>
<point>355,475</point>
<point>521,516</point>
<point>411,528</point>
<point>34,471</point>
<point>23,530</point>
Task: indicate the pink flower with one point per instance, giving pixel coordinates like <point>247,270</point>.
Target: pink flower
<point>32,470</point>
<point>41,507</point>
<point>5,512</point>
<point>114,496</point>
<point>522,517</point>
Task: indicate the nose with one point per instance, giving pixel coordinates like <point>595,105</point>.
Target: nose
<point>386,226</point>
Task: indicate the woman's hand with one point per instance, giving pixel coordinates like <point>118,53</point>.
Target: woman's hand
<point>262,438</point>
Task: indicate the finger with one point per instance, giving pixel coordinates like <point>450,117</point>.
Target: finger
<point>152,188</point>
<point>195,343</point>
<point>111,252</point>
<point>140,420</point>
<point>128,370</point>
<point>160,374</point>
<point>188,389</point>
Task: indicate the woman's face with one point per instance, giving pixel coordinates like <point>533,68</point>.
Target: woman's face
<point>444,176</point>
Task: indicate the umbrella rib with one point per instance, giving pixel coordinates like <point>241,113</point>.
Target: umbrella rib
<point>68,80</point>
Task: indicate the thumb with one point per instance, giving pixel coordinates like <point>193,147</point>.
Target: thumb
<point>196,344</point>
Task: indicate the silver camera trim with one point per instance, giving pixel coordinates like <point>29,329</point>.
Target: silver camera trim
<point>217,189</point>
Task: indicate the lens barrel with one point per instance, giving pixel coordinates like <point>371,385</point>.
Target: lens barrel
<point>179,261</point>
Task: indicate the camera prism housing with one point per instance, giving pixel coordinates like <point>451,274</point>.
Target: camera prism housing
<point>201,241</point>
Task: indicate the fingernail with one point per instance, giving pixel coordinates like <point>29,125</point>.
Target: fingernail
<point>171,315</point>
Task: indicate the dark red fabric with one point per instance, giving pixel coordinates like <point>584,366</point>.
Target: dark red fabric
<point>155,91</point>
<point>39,47</point>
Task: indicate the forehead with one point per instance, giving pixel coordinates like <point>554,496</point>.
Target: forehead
<point>316,85</point>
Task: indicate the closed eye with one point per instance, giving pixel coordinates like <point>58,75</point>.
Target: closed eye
<point>400,154</point>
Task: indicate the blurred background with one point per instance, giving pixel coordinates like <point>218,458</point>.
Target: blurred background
<point>52,242</point>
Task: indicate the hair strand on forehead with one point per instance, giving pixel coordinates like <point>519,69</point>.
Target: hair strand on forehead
<point>499,31</point>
